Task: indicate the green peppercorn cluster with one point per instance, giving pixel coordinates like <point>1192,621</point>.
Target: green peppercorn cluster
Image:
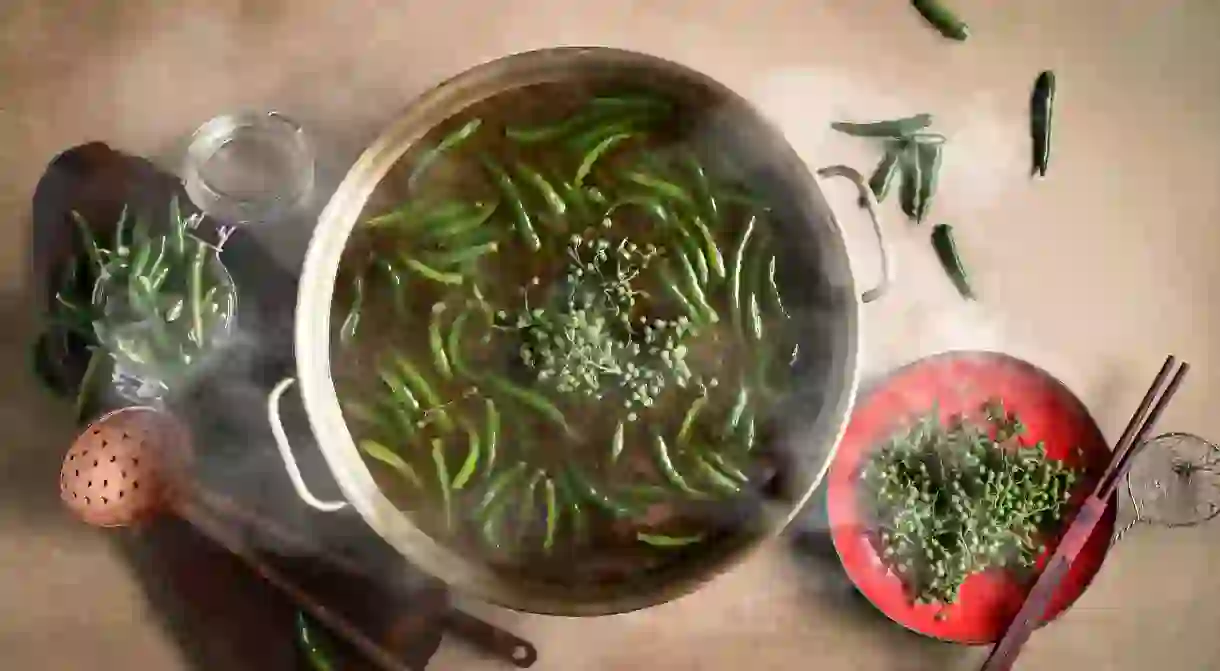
<point>590,346</point>
<point>952,501</point>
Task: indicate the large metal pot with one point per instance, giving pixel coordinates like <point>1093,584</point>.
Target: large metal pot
<point>812,421</point>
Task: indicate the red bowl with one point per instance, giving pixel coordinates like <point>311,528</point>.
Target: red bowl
<point>960,383</point>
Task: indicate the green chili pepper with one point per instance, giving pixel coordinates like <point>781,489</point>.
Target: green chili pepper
<point>464,224</point>
<point>471,462</point>
<point>388,457</point>
<point>526,509</point>
<point>431,273</point>
<point>529,398</point>
<point>711,207</point>
<point>460,256</point>
<point>571,502</point>
<point>883,176</point>
<point>436,342</point>
<point>586,163</point>
<point>550,196</point>
<point>735,276</point>
<point>498,484</point>
<point>632,102</point>
<point>663,541</point>
<point>586,141</point>
<point>588,491</point>
<point>450,141</point>
<point>552,514</point>
<point>616,445</point>
<point>354,411</point>
<point>120,228</point>
<point>739,408</point>
<point>946,251</point>
<point>773,292</point>
<point>492,528</point>
<point>714,258</point>
<point>693,287</point>
<point>195,295</point>
<point>666,465</point>
<point>713,477</point>
<point>141,245</point>
<point>1041,110</point>
<point>688,421</point>
<point>749,433</point>
<point>179,226</point>
<point>942,19</point>
<point>726,467</point>
<point>661,187</point>
<point>578,203</point>
<point>492,432</point>
<point>312,645</point>
<point>351,323</point>
<point>675,290</point>
<point>508,188</point>
<point>755,320</point>
<point>896,128</point>
<point>912,181</point>
<point>929,156</point>
<point>652,205</point>
<point>398,390</point>
<point>554,131</point>
<point>442,477</point>
<point>453,344</point>
<point>417,382</point>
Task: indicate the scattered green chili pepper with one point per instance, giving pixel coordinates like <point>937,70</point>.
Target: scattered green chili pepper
<point>716,479</point>
<point>587,490</point>
<point>498,484</point>
<point>178,226</point>
<point>1041,110</point>
<point>675,291</point>
<point>703,186</point>
<point>616,444</point>
<point>416,382</point>
<point>942,19</point>
<point>453,344</point>
<point>728,468</point>
<point>460,256</point>
<point>883,176</point>
<point>946,251</point>
<point>450,141</point>
<point>508,188</point>
<point>661,187</point>
<point>896,128</point>
<point>912,181</point>
<point>553,131</point>
<point>688,421</point>
<point>390,458</point>
<point>694,288</point>
<point>586,164</point>
<point>663,541</point>
<point>552,514</point>
<point>195,294</point>
<point>312,645</point>
<point>714,258</point>
<point>436,342</point>
<point>735,277</point>
<point>471,463</point>
<point>641,102</point>
<point>491,432</point>
<point>456,226</point>
<point>351,323</point>
<point>749,434</point>
<point>442,476</point>
<point>929,156</point>
<point>755,319</point>
<point>428,272</point>
<point>666,465</point>
<point>530,398</point>
<point>628,125</point>
<point>550,196</point>
<point>738,409</point>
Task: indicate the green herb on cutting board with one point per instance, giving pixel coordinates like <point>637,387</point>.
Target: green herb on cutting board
<point>950,500</point>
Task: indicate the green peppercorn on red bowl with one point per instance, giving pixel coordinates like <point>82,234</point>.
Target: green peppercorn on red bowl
<point>798,429</point>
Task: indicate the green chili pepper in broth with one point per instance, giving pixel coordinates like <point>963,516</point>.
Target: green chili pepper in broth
<point>714,478</point>
<point>735,277</point>
<point>728,468</point>
<point>460,256</point>
<point>453,344</point>
<point>398,389</point>
<point>694,288</point>
<point>529,398</point>
<point>458,225</point>
<point>1041,112</point>
<point>436,342</point>
<point>675,291</point>
<point>665,464</point>
<point>912,182</point>
<point>664,541</point>
<point>491,433</point>
<point>471,463</point>
<point>571,502</point>
<point>755,319</point>
<point>552,514</point>
<point>550,196</point>
<point>749,433</point>
<point>521,216</point>
<point>499,483</point>
<point>311,644</point>
<point>714,259</point>
<point>943,19</point>
<point>556,130</point>
<point>526,509</point>
<point>929,156</point>
<point>195,295</point>
<point>711,206</point>
<point>428,272</point>
<point>587,490</point>
<point>416,382</point>
<point>688,421</point>
<point>450,141</point>
<point>591,157</point>
<point>442,478</point>
<point>894,128</point>
<point>351,323</point>
<point>661,187</point>
<point>739,407</point>
<point>946,251</point>
<point>616,444</point>
<point>390,458</point>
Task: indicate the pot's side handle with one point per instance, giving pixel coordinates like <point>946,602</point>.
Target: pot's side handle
<point>290,462</point>
<point>870,205</point>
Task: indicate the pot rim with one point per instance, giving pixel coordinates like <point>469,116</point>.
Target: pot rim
<point>313,326</point>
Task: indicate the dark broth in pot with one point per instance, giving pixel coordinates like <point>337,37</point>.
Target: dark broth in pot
<point>559,332</point>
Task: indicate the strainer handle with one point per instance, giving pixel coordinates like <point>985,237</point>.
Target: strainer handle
<point>290,461</point>
<point>870,205</point>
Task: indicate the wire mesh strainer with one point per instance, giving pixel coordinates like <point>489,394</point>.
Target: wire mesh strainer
<point>1174,482</point>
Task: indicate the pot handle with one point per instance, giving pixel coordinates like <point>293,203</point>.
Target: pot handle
<point>290,462</point>
<point>870,205</point>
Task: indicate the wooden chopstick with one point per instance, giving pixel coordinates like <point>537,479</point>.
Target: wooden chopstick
<point>1081,529</point>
